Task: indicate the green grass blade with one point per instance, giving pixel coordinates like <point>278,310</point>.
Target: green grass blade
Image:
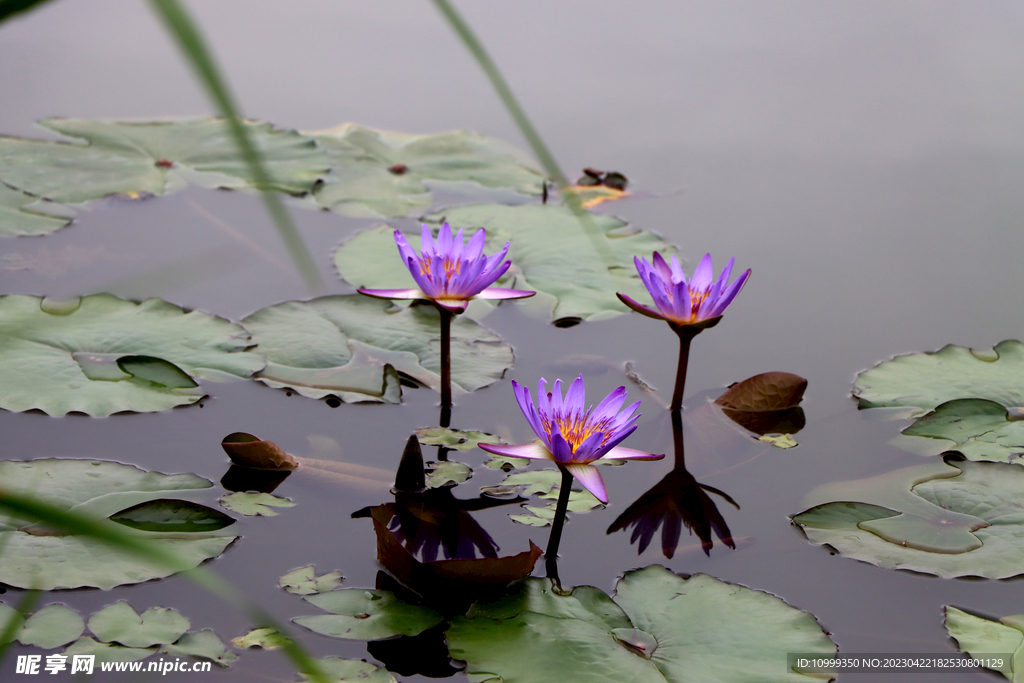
<point>191,42</point>
<point>127,541</point>
<point>9,8</point>
<point>518,114</point>
<point>25,605</point>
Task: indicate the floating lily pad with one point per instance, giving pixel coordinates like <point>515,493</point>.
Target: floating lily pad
<point>153,157</point>
<point>204,644</point>
<point>920,382</point>
<point>367,615</point>
<point>957,519</point>
<point>107,652</point>
<point>264,638</point>
<point>543,484</point>
<point>445,473</point>
<point>23,214</point>
<point>101,355</point>
<point>303,581</point>
<point>377,173</point>
<point>344,670</point>
<point>660,627</point>
<point>252,503</point>
<point>455,439</point>
<point>979,429</point>
<point>41,558</point>
<point>49,627</point>
<point>579,501</point>
<point>119,623</point>
<point>550,251</point>
<point>982,638</point>
<point>172,516</point>
<point>352,346</point>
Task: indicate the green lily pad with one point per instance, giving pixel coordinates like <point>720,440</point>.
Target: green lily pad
<point>982,638</point>
<point>49,627</point>
<point>581,285</point>
<point>449,472</point>
<point>660,627</point>
<point>107,652</point>
<point>920,382</point>
<point>455,439</point>
<point>359,614</point>
<point>252,503</point>
<point>119,623</point>
<point>977,428</point>
<point>204,644</point>
<point>344,670</point>
<point>303,581</point>
<point>352,346</point>
<point>44,559</point>
<point>965,519</point>
<point>579,501</point>
<point>153,157</point>
<point>543,484</point>
<point>377,173</point>
<point>101,355</point>
<point>23,214</point>
<point>172,516</point>
<point>264,638</point>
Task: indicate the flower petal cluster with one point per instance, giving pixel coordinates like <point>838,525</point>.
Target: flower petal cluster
<point>681,301</point>
<point>574,436</point>
<point>449,272</point>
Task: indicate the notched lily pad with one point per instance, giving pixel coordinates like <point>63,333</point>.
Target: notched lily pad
<point>172,516</point>
<point>100,355</point>
<point>989,640</point>
<point>139,158</point>
<point>120,624</point>
<point>44,559</point>
<point>204,644</point>
<point>262,638</point>
<point>340,670</point>
<point>977,428</point>
<point>23,214</point>
<point>377,173</point>
<point>253,503</point>
<point>455,439</point>
<point>447,473</point>
<point>304,581</point>
<point>920,382</point>
<point>540,236</point>
<point>660,627</point>
<point>959,519</point>
<point>247,450</point>
<point>353,347</point>
<point>49,627</point>
<point>359,614</point>
<point>107,652</point>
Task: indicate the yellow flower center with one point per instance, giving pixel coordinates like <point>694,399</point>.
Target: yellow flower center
<point>577,428</point>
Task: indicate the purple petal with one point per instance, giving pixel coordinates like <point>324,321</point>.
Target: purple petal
<point>475,247</point>
<point>499,293</point>
<point>576,397</point>
<point>639,308</point>
<point>590,478</point>
<point>560,448</point>
<point>394,293</point>
<point>529,411</point>
<point>588,450</point>
<point>555,395</point>
<point>664,272</point>
<point>609,407</point>
<point>444,241</point>
<point>405,249</point>
<point>623,453</point>
<point>543,399</point>
<point>614,441</point>
<point>723,279</point>
<point>704,274</point>
<point>457,246</point>
<point>427,243</point>
<point>488,278</point>
<point>534,451</point>
<point>677,270</point>
<point>422,280</point>
<point>729,294</point>
<point>453,305</point>
<point>710,302</point>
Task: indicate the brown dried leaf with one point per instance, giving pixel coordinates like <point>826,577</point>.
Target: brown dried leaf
<point>251,451</point>
<point>768,391</point>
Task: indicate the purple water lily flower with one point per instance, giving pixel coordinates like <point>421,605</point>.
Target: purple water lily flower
<point>450,273</point>
<point>572,435</point>
<point>682,302</point>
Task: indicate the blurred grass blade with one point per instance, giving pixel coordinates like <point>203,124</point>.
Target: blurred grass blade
<point>127,541</point>
<point>185,31</point>
<point>508,98</point>
<point>9,8</point>
<point>25,605</point>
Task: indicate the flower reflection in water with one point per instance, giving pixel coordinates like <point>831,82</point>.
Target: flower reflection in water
<point>676,501</point>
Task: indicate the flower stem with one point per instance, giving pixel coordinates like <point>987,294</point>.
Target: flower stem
<point>551,554</point>
<point>677,440</point>
<point>684,359</point>
<point>446,359</point>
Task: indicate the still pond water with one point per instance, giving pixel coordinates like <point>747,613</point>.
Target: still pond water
<point>864,159</point>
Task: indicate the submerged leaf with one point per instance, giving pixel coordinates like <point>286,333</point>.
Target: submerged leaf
<point>377,173</point>
<point>107,652</point>
<point>253,503</point>
<point>359,614</point>
<point>264,638</point>
<point>955,519</point>
<point>48,559</point>
<point>172,516</point>
<point>101,355</point>
<point>344,670</point>
<point>580,287</point>
<point>919,382</point>
<point>351,347</point>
